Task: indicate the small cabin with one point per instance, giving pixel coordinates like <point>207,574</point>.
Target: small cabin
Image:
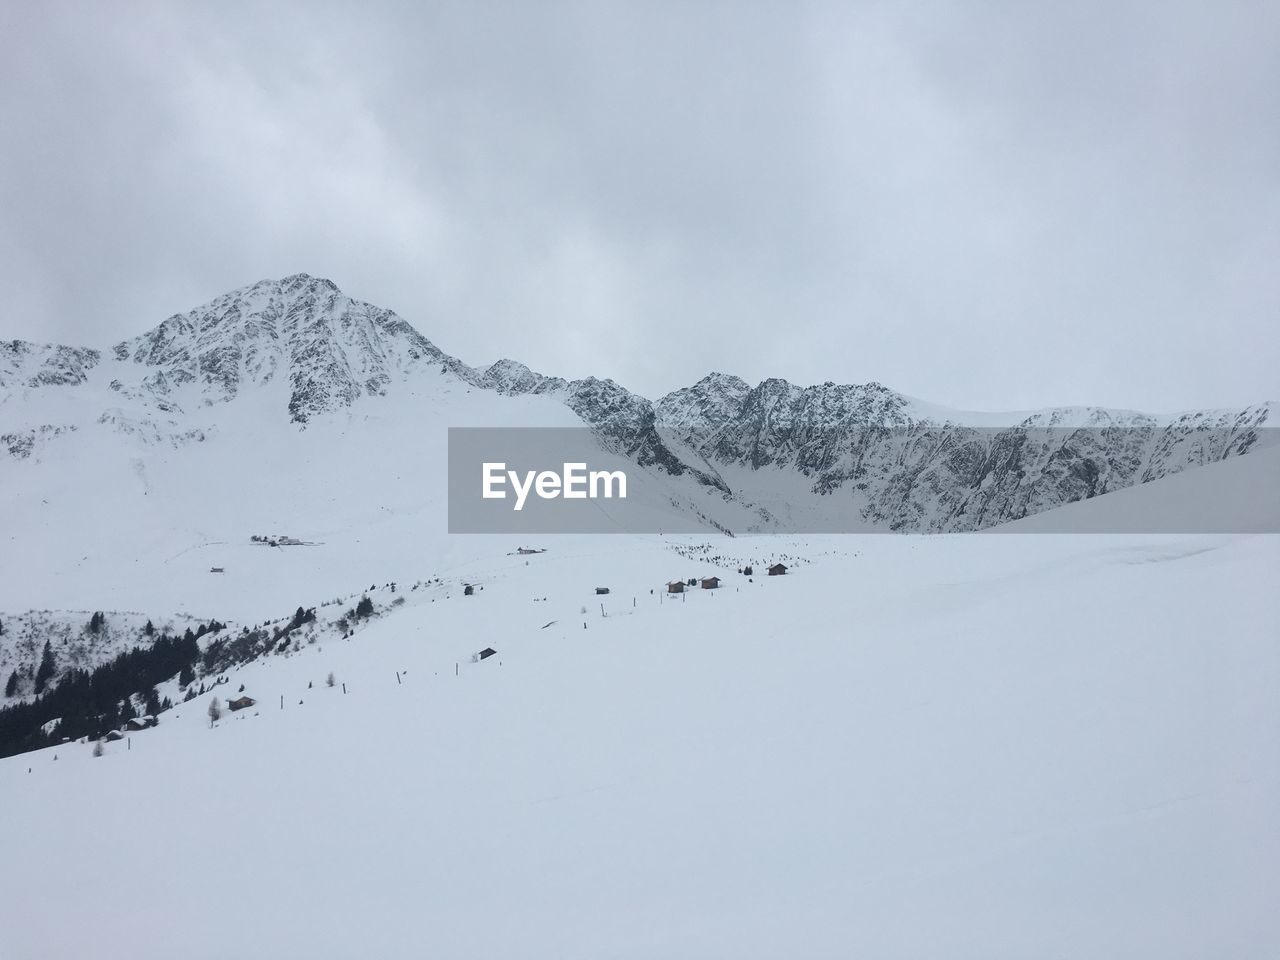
<point>468,590</point>
<point>216,570</point>
<point>675,586</point>
<point>486,653</point>
<point>239,703</point>
<point>601,591</point>
<point>710,583</point>
<point>140,723</point>
<point>113,735</point>
<point>777,570</point>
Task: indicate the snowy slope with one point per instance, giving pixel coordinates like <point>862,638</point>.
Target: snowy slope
<point>101,525</point>
<point>909,747</point>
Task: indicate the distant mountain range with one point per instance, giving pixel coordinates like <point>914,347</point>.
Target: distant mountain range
<point>853,456</point>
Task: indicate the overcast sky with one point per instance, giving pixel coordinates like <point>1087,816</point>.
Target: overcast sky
<point>988,205</point>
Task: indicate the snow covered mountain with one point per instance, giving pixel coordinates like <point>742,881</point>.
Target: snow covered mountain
<point>330,348</point>
<point>913,467</point>
<point>824,457</point>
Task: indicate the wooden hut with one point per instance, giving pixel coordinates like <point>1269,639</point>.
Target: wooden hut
<point>777,570</point>
<point>601,591</point>
<point>710,583</point>
<point>239,703</point>
<point>486,653</point>
<point>675,586</point>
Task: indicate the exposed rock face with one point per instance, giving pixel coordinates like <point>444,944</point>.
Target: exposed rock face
<point>913,470</point>
<point>33,365</point>
<point>510,377</point>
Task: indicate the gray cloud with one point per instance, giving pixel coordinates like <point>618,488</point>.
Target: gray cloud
<point>991,206</point>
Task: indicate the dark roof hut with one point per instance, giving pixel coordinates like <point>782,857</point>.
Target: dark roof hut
<point>239,703</point>
<point>675,586</point>
<point>710,583</point>
<point>486,653</point>
<point>777,570</point>
<point>601,591</point>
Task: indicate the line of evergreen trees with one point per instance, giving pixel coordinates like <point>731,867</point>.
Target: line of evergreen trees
<point>92,702</point>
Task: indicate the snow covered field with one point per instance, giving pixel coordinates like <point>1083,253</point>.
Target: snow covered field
<point>961,746</point>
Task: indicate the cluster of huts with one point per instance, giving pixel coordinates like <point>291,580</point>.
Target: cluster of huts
<point>712,583</point>
<point>132,726</point>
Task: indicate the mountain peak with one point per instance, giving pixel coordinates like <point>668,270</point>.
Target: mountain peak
<point>513,378</point>
<point>332,349</point>
<point>296,282</point>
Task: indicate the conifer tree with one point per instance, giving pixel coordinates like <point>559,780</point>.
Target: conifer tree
<point>11,687</point>
<point>47,667</point>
